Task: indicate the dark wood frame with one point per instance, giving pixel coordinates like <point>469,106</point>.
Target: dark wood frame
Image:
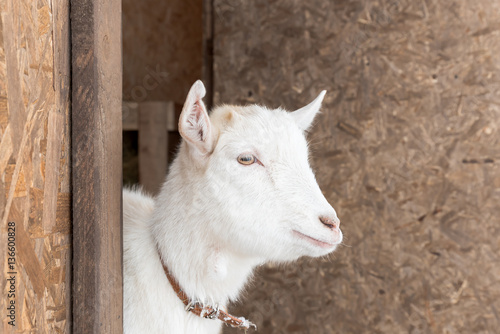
<point>208,50</point>
<point>97,166</point>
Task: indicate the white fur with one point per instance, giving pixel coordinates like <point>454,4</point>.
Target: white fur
<point>215,219</point>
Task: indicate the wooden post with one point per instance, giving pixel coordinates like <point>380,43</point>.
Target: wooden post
<point>153,120</point>
<point>97,166</point>
<point>153,143</point>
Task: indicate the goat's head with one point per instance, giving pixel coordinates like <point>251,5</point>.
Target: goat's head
<point>250,165</point>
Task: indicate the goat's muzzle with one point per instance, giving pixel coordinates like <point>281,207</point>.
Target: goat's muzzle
<point>331,223</point>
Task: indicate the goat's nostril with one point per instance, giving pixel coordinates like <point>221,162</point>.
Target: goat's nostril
<point>329,222</point>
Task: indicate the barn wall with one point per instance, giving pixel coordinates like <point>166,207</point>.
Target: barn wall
<point>407,150</point>
<point>35,163</point>
<point>162,58</point>
<point>162,49</point>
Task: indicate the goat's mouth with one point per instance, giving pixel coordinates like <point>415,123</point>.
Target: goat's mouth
<point>313,241</point>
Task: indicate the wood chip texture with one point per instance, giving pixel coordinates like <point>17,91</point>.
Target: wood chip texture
<point>35,163</point>
<point>407,149</point>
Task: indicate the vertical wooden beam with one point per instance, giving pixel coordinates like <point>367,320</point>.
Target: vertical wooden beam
<point>97,166</point>
<point>153,143</point>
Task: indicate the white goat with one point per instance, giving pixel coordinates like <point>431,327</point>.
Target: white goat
<point>239,194</point>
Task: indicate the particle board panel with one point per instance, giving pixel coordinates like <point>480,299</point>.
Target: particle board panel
<point>407,149</point>
<point>35,164</point>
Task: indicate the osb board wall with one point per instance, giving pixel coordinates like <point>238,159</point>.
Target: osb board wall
<point>34,164</point>
<point>407,150</point>
<point>162,49</point>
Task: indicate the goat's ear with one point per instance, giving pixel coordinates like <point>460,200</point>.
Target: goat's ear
<point>304,116</point>
<point>194,123</point>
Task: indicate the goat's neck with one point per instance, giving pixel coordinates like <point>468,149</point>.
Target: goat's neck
<point>207,269</point>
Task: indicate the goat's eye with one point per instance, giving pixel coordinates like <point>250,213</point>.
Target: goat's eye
<point>246,159</point>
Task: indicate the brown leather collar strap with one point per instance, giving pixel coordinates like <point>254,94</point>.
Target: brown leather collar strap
<point>207,312</point>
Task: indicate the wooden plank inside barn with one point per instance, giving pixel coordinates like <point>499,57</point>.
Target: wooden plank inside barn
<point>162,57</point>
<point>153,120</point>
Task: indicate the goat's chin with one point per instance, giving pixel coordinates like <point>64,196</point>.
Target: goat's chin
<point>311,246</point>
<point>323,252</point>
<point>316,251</point>
<point>298,251</point>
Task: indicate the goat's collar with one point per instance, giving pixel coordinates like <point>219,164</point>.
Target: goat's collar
<point>207,311</point>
